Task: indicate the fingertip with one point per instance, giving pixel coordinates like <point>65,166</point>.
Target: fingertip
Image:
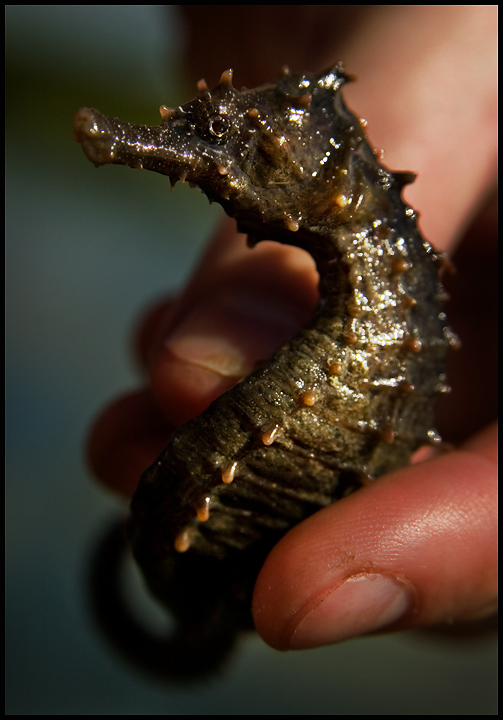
<point>421,542</point>
<point>228,322</point>
<point>151,328</point>
<point>185,389</point>
<point>124,440</point>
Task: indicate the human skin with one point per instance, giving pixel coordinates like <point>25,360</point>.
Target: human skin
<point>418,547</point>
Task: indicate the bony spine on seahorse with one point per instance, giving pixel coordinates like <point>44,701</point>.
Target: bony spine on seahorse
<point>348,399</point>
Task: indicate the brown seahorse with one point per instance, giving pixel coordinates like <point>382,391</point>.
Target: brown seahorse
<point>348,399</point>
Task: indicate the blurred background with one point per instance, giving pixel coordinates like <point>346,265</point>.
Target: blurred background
<point>86,251</point>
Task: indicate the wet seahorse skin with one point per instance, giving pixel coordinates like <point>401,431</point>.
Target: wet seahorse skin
<point>348,399</point>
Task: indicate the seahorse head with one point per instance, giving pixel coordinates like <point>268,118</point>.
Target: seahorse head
<point>259,153</point>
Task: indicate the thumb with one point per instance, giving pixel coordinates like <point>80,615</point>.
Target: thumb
<point>416,548</point>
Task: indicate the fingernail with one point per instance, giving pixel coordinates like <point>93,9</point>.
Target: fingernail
<point>361,604</point>
<point>230,332</point>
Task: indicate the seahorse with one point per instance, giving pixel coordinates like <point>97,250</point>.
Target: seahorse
<point>349,398</point>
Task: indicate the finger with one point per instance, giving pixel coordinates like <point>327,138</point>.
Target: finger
<point>414,65</point>
<point>239,307</point>
<point>150,328</point>
<point>125,439</point>
<point>416,548</point>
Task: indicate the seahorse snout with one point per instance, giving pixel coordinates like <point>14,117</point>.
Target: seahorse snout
<point>94,132</point>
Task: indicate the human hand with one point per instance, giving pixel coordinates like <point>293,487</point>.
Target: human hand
<point>418,547</point>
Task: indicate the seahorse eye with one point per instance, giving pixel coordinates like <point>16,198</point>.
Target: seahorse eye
<point>218,125</point>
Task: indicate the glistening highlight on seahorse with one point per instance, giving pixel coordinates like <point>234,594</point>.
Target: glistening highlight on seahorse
<point>348,399</point>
